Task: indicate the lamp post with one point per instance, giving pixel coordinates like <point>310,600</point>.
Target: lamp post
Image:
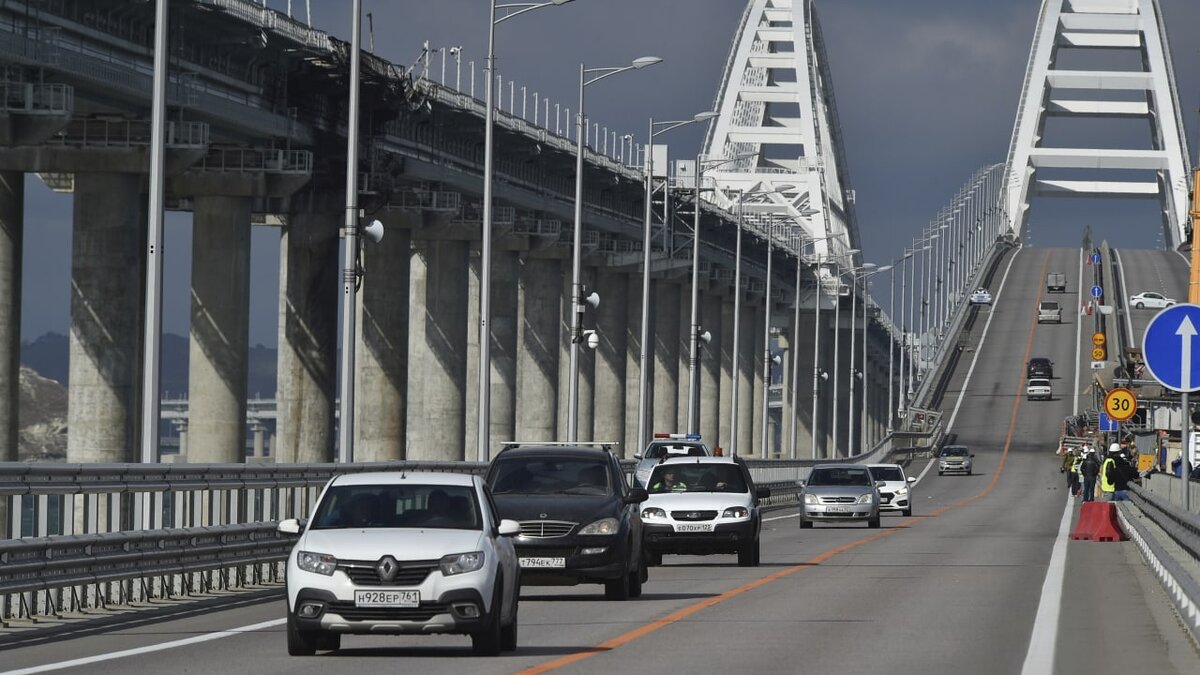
<point>891,347</point>
<point>855,274</point>
<point>766,398</point>
<point>866,279</point>
<point>485,261</point>
<point>795,421</point>
<point>643,357</point>
<point>577,299</point>
<point>817,373</point>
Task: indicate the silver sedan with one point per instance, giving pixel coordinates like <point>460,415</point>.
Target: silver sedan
<point>840,492</point>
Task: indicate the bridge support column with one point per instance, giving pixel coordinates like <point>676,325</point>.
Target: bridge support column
<point>800,354</point>
<point>503,338</point>
<point>609,393</point>
<point>12,226</point>
<point>220,329</point>
<point>437,350</point>
<point>107,315</point>
<point>725,395</point>
<point>762,449</point>
<point>537,348</point>
<point>308,291</point>
<point>381,362</point>
<point>710,368</point>
<point>633,364</point>
<point>666,357</point>
<point>749,344</point>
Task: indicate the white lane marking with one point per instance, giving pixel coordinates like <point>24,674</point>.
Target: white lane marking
<point>88,660</point>
<point>1078,334</point>
<point>1125,289</point>
<point>1040,657</point>
<point>765,520</point>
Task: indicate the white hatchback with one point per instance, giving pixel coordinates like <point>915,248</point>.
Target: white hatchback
<point>896,492</point>
<point>402,552</point>
<point>981,296</point>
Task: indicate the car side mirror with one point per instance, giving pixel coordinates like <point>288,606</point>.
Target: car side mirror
<point>637,455</point>
<point>636,495</point>
<point>880,484</point>
<point>799,483</point>
<point>971,455</point>
<point>912,479</point>
<point>289,526</point>
<point>762,492</point>
<point>508,528</point>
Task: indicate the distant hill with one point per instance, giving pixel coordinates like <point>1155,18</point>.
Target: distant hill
<point>48,355</point>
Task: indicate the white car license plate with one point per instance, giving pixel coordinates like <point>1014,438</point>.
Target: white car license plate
<point>387,598</point>
<point>543,562</point>
<point>693,527</point>
<point>837,509</point>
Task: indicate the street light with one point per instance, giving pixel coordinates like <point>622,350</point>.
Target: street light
<point>577,299</point>
<point>855,273</point>
<point>891,348</point>
<point>817,372</point>
<point>869,270</point>
<point>485,264</point>
<point>795,421</point>
<point>644,372</point>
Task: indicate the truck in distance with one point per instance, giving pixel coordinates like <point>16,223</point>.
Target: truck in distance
<point>1056,282</point>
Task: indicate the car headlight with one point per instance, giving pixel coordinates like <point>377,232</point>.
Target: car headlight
<point>602,526</point>
<point>866,499</point>
<point>651,512</point>
<point>735,512</point>
<point>460,563</point>
<point>317,563</point>
<point>902,491</point>
<point>810,499</point>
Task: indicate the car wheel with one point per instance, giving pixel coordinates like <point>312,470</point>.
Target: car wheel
<point>873,522</point>
<point>329,641</point>
<point>617,589</point>
<point>300,642</point>
<point>508,634</point>
<point>487,641</point>
<point>805,524</point>
<point>941,473</point>
<point>635,583</point>
<point>907,512</point>
<point>968,472</point>
<point>654,559</point>
<point>748,555</point>
<point>1139,305</point>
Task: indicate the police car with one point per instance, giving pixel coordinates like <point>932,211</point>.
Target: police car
<point>667,445</point>
<point>701,506</point>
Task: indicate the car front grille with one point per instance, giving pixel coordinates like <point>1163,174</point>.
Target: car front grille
<point>693,515</point>
<point>424,612</point>
<point>838,500</point>
<point>885,497</point>
<point>541,529</point>
<point>411,573</point>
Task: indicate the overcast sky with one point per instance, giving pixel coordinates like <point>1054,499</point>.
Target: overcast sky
<point>927,91</point>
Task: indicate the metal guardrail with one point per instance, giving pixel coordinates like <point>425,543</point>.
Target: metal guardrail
<point>1177,572</point>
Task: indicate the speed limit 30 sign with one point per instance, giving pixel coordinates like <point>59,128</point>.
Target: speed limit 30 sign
<point>1120,404</point>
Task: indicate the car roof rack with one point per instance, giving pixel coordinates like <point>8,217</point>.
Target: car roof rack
<point>610,446</point>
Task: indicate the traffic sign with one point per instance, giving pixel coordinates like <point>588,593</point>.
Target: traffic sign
<point>1095,258</point>
<point>1106,423</point>
<point>1097,292</point>
<point>1120,404</point>
<point>1098,339</point>
<point>1098,353</point>
<point>1168,344</point>
<point>1098,365</point>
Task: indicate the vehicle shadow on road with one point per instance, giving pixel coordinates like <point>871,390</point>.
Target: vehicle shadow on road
<point>601,598</point>
<point>455,652</point>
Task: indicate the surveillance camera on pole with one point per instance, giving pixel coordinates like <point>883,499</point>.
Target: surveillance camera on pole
<point>591,338</point>
<point>373,231</point>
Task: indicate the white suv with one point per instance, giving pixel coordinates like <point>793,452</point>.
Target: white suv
<point>402,552</point>
<point>896,492</point>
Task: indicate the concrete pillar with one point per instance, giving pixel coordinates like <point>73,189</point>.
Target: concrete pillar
<point>437,350</point>
<point>685,354</point>
<point>183,442</point>
<point>308,329</point>
<point>381,359</point>
<point>220,329</point>
<point>107,314</point>
<point>12,225</point>
<point>666,357</point>
<point>725,393</point>
<point>503,332</point>
<point>761,449</point>
<point>802,350</point>
<point>710,368</point>
<point>537,348</point>
<point>633,365</point>
<point>258,432</point>
<point>586,359</point>
<point>609,388</point>
<point>749,346</point>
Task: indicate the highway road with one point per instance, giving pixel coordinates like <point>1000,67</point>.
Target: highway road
<point>982,578</point>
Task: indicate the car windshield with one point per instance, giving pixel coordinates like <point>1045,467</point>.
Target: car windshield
<point>1049,305</point>
<point>451,507</point>
<point>887,473</point>
<point>548,476</point>
<point>699,477</point>
<point>660,450</point>
<point>839,475</point>
<point>954,452</point>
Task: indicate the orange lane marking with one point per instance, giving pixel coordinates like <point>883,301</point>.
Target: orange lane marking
<point>684,612</point>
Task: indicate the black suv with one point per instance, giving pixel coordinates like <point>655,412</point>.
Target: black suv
<point>1040,366</point>
<point>579,520</point>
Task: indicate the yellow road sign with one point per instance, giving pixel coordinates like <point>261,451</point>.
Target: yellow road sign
<point>1120,404</point>
<point>1098,353</point>
<point>1098,339</point>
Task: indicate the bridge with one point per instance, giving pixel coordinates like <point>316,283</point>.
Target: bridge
<point>761,226</point>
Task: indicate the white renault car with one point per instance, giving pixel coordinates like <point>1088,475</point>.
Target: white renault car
<point>896,492</point>
<point>402,552</point>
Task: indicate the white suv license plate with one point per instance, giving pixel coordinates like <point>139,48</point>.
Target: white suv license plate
<point>693,527</point>
<point>387,598</point>
<point>543,562</point>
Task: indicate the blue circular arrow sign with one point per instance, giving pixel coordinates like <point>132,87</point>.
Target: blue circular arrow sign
<point>1095,258</point>
<point>1171,349</point>
<point>1097,292</point>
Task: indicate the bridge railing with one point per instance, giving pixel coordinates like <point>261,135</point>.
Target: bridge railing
<point>36,97</point>
<point>1169,540</point>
